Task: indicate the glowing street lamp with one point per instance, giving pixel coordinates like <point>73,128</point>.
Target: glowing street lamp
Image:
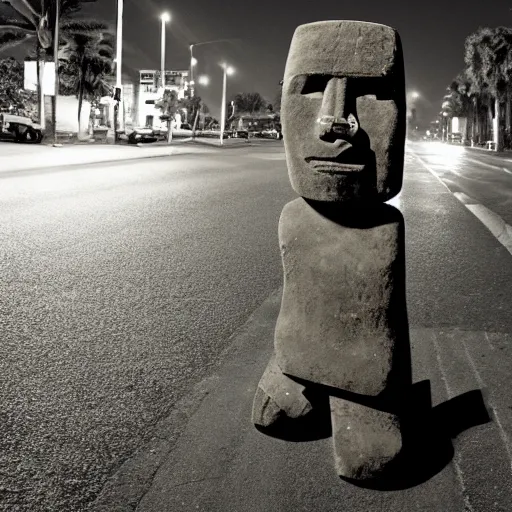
<point>228,70</point>
<point>165,18</point>
<point>203,80</point>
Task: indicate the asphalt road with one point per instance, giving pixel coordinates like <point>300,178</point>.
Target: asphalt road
<point>481,175</point>
<point>122,285</point>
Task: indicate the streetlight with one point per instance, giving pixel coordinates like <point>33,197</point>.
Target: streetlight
<point>119,54</point>
<point>193,62</point>
<point>203,80</point>
<point>165,18</point>
<point>56,63</point>
<point>415,95</point>
<point>228,70</point>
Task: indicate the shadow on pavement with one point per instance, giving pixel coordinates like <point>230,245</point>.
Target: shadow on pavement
<point>427,433</point>
<point>427,437</point>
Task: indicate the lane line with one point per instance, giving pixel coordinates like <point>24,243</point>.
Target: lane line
<point>431,171</point>
<point>492,221</point>
<point>491,166</point>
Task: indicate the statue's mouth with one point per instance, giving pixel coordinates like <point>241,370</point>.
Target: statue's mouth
<point>331,166</point>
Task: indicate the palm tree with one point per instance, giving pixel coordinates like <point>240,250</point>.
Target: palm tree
<point>34,20</point>
<point>169,105</point>
<point>490,69</point>
<point>249,102</point>
<point>85,63</point>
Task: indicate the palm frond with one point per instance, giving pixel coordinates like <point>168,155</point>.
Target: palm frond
<point>11,39</point>
<point>85,27</point>
<point>22,28</point>
<point>25,8</point>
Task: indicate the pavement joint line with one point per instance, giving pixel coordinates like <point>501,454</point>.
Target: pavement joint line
<point>503,434</point>
<point>492,221</point>
<point>456,459</point>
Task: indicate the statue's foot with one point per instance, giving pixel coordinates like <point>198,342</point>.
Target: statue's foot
<point>278,397</point>
<point>366,441</point>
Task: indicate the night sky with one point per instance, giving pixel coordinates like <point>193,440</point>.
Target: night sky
<point>433,34</point>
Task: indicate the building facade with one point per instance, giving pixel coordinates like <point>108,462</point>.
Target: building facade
<point>150,91</point>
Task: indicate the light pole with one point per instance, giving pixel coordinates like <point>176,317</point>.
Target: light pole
<point>227,71</point>
<point>119,54</point>
<point>164,17</point>
<point>193,62</point>
<point>56,63</point>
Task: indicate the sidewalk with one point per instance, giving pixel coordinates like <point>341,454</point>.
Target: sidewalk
<point>17,157</point>
<point>207,455</point>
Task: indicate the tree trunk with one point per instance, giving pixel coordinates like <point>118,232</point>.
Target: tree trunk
<point>38,83</point>
<point>195,123</point>
<point>508,141</point>
<point>40,60</point>
<point>489,117</point>
<point>169,131</point>
<point>81,97</point>
<point>474,113</point>
<point>499,132</point>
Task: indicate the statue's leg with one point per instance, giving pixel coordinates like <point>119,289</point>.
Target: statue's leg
<point>278,397</point>
<point>366,440</point>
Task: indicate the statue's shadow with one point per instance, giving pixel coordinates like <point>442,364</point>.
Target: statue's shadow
<point>427,433</point>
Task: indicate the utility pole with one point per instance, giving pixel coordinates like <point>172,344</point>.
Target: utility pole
<point>119,64</point>
<point>56,62</point>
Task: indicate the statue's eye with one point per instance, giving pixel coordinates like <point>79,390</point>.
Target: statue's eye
<point>373,88</point>
<point>314,86</point>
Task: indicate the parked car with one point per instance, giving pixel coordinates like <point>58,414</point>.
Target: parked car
<point>20,129</point>
<point>142,135</point>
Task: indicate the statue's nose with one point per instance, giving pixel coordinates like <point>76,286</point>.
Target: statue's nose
<point>335,118</point>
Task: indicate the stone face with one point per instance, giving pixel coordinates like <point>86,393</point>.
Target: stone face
<point>344,103</point>
<point>343,318</point>
<point>366,440</point>
<point>342,329</point>
<point>278,396</point>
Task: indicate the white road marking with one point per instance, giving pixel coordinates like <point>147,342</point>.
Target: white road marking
<point>491,166</point>
<point>492,221</point>
<point>431,171</point>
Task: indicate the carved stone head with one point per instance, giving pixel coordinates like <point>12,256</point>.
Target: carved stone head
<point>343,111</point>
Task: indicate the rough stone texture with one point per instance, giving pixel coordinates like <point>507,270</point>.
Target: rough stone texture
<point>365,439</point>
<point>278,396</point>
<point>343,324</point>
<point>343,319</point>
<point>342,68</point>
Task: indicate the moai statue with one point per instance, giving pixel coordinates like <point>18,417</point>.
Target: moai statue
<point>342,327</point>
